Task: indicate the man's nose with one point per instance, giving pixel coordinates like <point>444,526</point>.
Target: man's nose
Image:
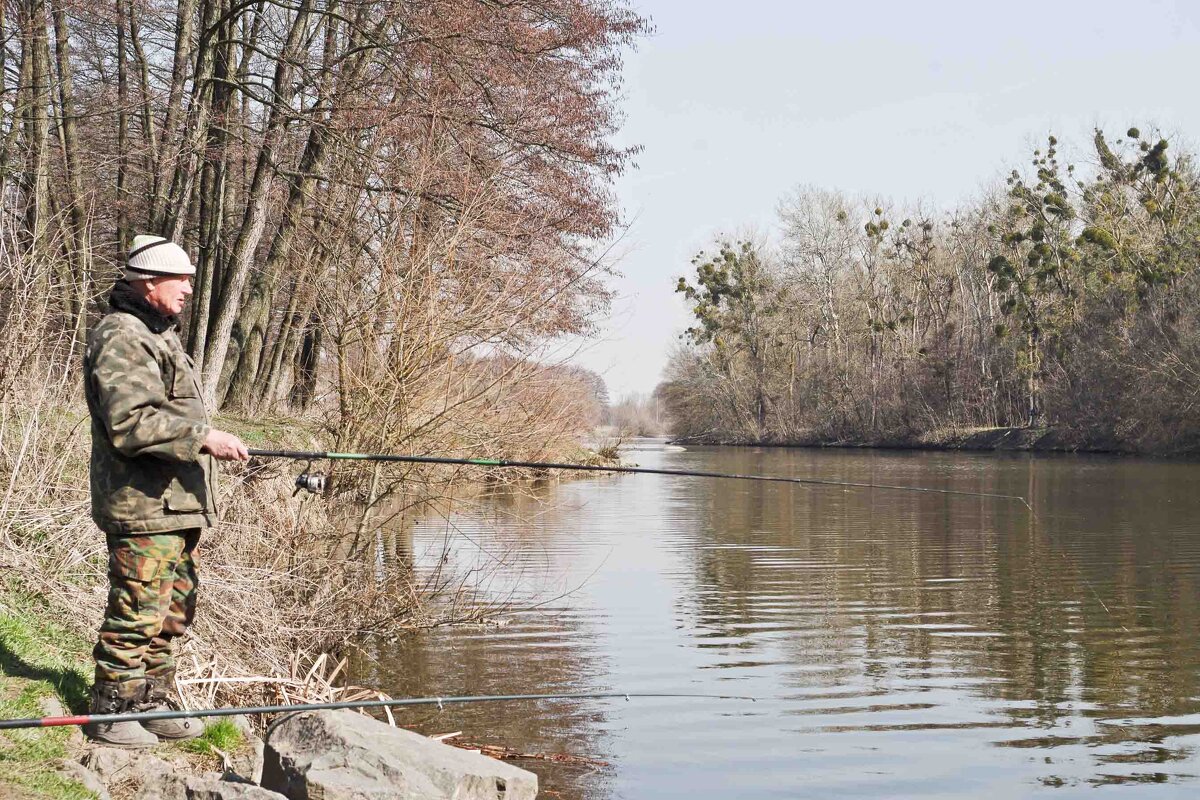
<point>187,287</point>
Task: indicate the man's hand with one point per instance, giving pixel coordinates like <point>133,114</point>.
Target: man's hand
<point>224,446</point>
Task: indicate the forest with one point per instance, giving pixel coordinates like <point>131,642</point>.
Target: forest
<point>377,195</point>
<point>1065,301</point>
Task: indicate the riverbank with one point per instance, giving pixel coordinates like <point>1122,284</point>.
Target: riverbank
<point>45,670</point>
<point>288,581</point>
<point>53,590</point>
<point>1017,439</point>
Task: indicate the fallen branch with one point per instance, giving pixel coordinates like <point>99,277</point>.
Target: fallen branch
<point>499,751</point>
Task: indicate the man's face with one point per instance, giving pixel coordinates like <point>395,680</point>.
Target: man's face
<point>168,295</point>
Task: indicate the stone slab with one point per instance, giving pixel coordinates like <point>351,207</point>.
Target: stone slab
<point>343,755</point>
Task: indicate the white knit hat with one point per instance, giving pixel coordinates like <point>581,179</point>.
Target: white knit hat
<point>154,256</point>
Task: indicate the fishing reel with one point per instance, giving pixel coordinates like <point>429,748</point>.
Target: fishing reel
<point>311,482</point>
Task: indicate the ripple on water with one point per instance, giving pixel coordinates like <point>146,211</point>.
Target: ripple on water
<point>898,645</point>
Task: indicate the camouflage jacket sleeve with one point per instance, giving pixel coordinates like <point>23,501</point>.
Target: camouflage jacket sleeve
<point>132,402</point>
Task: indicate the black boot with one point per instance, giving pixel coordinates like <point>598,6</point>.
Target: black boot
<point>161,696</point>
<point>115,697</point>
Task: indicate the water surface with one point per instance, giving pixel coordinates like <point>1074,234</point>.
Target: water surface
<point>900,644</point>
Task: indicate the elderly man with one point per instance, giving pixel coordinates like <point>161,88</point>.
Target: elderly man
<point>153,484</point>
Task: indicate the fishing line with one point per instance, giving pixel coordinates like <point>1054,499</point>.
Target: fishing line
<point>1034,520</point>
<point>300,455</point>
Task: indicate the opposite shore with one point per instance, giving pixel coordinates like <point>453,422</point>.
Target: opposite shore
<point>997,439</point>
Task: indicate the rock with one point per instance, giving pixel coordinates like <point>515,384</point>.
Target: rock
<point>210,786</point>
<point>341,755</point>
<point>246,763</point>
<point>243,724</point>
<point>211,789</point>
<point>51,706</point>
<point>115,765</point>
<point>163,786</point>
<point>108,762</point>
<point>73,770</point>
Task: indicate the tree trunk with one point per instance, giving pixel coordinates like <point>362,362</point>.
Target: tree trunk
<point>1034,390</point>
<point>169,218</point>
<point>239,172</point>
<point>12,118</point>
<point>36,174</point>
<point>212,208</point>
<point>254,321</point>
<point>22,98</point>
<point>256,204</point>
<point>209,261</point>
<point>294,330</point>
<point>80,261</point>
<point>266,388</point>
<point>149,129</point>
<point>123,235</point>
<point>308,357</point>
<point>185,13</point>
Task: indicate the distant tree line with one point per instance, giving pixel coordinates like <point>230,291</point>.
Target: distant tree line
<point>1069,299</point>
<point>637,414</point>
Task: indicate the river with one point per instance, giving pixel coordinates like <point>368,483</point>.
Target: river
<point>898,644</point>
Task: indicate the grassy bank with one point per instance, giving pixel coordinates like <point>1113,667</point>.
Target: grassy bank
<point>1035,440</point>
<point>45,670</point>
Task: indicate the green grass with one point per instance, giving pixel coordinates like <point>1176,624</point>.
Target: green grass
<point>221,735</point>
<point>272,432</point>
<point>38,660</point>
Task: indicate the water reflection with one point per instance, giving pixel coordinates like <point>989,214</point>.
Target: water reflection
<point>901,643</point>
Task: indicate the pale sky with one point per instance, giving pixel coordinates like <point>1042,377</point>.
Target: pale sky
<point>737,103</point>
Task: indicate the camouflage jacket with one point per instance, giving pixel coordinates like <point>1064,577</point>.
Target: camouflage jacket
<point>148,424</point>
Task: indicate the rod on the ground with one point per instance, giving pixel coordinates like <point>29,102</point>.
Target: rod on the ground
<point>145,716</point>
<point>301,455</point>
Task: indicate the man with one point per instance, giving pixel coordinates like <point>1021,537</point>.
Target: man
<point>153,484</point>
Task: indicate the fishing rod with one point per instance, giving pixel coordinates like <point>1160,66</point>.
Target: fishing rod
<point>231,711</point>
<point>315,483</point>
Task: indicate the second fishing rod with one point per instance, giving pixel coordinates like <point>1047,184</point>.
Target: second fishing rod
<point>305,455</point>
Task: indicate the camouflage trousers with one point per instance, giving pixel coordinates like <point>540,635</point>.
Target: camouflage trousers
<point>151,601</point>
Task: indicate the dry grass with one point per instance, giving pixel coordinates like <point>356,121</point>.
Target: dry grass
<point>287,580</point>
<point>308,680</point>
<point>283,581</point>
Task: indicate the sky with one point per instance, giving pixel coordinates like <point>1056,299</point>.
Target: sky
<point>736,104</point>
